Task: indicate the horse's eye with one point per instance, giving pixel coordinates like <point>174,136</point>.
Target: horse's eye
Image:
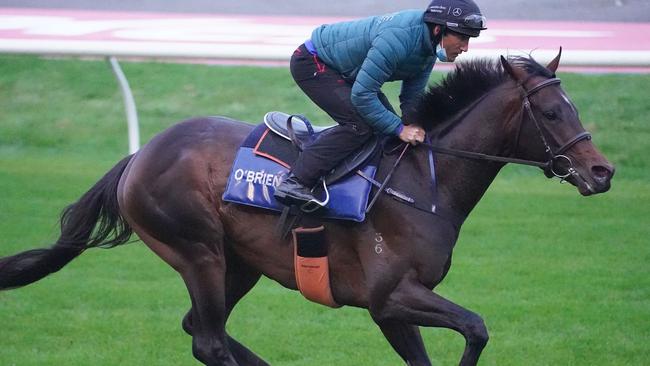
<point>550,115</point>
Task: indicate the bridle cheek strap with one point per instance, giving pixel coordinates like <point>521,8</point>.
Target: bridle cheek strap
<point>527,105</point>
<point>558,155</point>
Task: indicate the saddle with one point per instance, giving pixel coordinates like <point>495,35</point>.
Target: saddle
<point>282,124</point>
<point>303,133</point>
<point>270,149</point>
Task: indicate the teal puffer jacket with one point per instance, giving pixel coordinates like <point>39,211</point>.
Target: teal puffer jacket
<point>375,50</point>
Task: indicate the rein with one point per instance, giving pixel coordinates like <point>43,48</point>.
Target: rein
<point>548,166</point>
<point>553,157</point>
<point>480,156</point>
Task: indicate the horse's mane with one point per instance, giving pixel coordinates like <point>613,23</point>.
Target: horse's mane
<point>469,81</point>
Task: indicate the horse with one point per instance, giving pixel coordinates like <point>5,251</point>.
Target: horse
<point>170,194</point>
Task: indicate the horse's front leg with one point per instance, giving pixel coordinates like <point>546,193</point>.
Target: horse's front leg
<point>406,341</point>
<point>413,303</point>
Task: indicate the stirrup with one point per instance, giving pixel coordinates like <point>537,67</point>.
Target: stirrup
<point>314,204</point>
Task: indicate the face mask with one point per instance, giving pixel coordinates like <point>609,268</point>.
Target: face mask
<point>441,53</point>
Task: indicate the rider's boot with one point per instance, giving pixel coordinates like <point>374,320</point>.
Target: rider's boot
<point>291,191</point>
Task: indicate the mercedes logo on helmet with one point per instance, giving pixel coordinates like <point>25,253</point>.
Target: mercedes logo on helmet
<point>457,12</point>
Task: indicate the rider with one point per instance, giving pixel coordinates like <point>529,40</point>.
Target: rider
<point>343,66</point>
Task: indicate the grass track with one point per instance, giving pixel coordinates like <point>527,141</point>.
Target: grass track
<point>560,279</point>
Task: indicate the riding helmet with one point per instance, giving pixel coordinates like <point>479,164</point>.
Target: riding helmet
<point>461,16</point>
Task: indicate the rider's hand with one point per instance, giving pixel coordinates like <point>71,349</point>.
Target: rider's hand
<point>412,134</point>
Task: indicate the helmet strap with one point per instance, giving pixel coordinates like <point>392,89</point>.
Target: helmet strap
<point>435,39</point>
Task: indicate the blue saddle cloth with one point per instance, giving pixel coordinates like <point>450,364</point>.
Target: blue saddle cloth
<point>256,173</point>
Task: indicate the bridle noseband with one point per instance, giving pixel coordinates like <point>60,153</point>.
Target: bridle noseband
<point>553,156</point>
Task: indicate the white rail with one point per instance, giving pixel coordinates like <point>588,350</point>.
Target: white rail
<point>129,105</point>
<point>261,38</point>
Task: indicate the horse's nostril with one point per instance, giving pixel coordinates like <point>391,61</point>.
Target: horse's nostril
<point>600,172</point>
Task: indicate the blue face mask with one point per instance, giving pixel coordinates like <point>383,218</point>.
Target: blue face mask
<point>441,53</point>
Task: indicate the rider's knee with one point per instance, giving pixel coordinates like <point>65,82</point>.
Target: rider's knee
<point>362,129</point>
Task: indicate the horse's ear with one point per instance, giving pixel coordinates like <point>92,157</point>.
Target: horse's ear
<point>516,73</point>
<point>555,63</point>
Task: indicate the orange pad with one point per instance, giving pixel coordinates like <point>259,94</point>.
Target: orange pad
<point>313,276</point>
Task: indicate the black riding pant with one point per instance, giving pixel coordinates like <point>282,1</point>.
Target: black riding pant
<point>331,92</point>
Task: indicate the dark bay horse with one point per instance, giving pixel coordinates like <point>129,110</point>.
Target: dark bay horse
<point>169,194</point>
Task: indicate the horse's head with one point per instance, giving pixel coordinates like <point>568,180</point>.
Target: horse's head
<point>550,130</point>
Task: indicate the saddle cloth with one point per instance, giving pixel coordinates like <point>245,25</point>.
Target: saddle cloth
<point>265,157</point>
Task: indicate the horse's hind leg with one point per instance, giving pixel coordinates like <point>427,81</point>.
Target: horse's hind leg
<point>205,279</point>
<point>204,273</point>
<point>243,355</point>
<point>240,279</point>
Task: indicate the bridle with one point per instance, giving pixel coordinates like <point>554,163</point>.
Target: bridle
<point>554,157</point>
<point>548,166</point>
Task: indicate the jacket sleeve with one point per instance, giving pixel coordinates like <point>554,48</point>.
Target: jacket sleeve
<point>411,89</point>
<point>380,63</point>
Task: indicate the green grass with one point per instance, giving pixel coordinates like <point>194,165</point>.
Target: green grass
<point>559,279</point>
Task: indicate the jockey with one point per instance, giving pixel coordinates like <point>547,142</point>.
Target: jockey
<point>343,66</point>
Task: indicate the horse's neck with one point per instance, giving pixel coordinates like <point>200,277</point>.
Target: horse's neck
<point>486,128</point>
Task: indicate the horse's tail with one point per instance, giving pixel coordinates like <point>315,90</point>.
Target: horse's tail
<point>93,221</point>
